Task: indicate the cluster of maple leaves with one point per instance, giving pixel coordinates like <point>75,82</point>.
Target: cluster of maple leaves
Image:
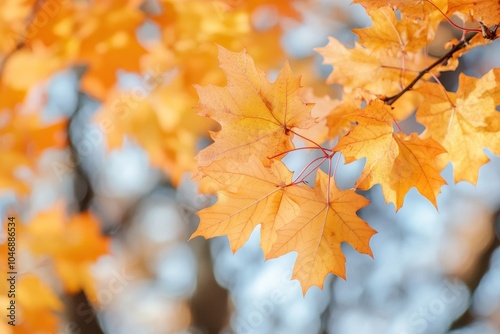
<point>385,77</point>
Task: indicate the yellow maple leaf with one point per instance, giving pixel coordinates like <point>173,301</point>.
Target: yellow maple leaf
<point>327,218</point>
<point>387,32</point>
<point>396,161</point>
<point>464,122</point>
<point>256,116</point>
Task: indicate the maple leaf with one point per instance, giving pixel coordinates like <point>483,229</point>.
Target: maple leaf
<point>248,194</point>
<point>415,166</point>
<point>73,243</point>
<point>326,219</point>
<point>396,161</point>
<point>464,122</point>
<point>256,116</point>
<point>387,32</point>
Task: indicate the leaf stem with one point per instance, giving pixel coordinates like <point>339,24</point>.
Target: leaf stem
<point>329,179</point>
<point>444,89</point>
<point>312,170</point>
<point>312,142</point>
<point>300,148</point>
<point>450,21</point>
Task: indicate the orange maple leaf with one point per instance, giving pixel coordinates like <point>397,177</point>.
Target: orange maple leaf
<point>464,122</point>
<point>387,32</point>
<point>396,161</point>
<point>256,116</point>
<point>327,218</point>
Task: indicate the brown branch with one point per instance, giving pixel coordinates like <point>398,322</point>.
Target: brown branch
<point>390,100</point>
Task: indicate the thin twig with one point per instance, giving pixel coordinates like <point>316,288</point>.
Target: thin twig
<point>390,100</point>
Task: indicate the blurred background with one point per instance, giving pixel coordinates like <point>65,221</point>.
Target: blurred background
<point>104,165</point>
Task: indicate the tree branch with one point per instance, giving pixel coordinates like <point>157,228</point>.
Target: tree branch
<point>390,100</point>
